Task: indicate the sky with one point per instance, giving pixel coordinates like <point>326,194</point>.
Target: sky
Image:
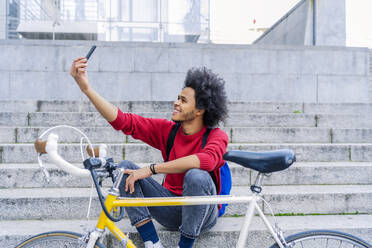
<point>232,20</point>
<point>229,16</point>
<point>358,23</point>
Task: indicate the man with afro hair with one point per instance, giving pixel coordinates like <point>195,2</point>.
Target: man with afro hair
<point>200,106</point>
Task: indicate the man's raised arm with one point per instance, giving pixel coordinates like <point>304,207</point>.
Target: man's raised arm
<point>79,73</point>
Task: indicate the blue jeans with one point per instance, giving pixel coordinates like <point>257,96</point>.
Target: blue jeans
<point>191,221</point>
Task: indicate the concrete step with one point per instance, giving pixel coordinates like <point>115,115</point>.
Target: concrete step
<point>337,108</point>
<point>224,234</point>
<point>140,106</point>
<point>341,173</point>
<point>25,153</point>
<point>299,135</point>
<point>66,135</point>
<point>141,153</point>
<point>299,120</point>
<point>166,106</point>
<point>236,135</point>
<point>344,121</point>
<point>273,135</point>
<point>11,119</point>
<point>61,203</point>
<point>93,119</point>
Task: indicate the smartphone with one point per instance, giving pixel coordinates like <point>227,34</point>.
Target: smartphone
<point>90,52</point>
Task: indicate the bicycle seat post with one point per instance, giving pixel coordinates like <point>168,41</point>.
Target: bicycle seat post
<point>115,188</point>
<point>256,186</point>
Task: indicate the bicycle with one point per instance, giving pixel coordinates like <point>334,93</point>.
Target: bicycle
<point>99,167</point>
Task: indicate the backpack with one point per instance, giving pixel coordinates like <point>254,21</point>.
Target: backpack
<point>224,170</point>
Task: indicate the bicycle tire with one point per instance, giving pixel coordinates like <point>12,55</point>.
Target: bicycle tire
<point>324,239</point>
<point>56,239</point>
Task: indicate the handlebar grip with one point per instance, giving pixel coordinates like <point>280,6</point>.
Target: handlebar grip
<point>40,146</point>
<point>96,151</point>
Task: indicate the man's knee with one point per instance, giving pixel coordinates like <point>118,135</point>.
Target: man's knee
<point>198,182</point>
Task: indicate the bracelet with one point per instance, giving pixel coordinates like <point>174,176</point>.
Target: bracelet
<point>152,169</point>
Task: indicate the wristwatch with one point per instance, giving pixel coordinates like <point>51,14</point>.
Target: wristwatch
<point>152,168</point>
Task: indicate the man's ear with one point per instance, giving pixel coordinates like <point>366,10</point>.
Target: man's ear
<point>200,112</point>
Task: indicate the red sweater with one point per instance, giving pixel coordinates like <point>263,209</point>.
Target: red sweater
<point>155,133</point>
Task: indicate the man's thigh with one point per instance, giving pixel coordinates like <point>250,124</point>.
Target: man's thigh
<point>168,216</point>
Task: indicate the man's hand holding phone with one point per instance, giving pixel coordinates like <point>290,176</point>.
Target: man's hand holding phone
<point>79,70</point>
<point>79,73</point>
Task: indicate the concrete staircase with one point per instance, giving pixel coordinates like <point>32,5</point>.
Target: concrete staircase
<point>330,186</point>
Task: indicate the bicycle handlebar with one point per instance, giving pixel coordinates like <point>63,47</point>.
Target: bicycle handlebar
<point>50,146</point>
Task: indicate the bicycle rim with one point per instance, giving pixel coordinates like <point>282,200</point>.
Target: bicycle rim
<point>58,239</point>
<point>325,239</point>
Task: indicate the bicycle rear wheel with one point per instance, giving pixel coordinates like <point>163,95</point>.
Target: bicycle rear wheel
<point>324,239</point>
<point>57,239</point>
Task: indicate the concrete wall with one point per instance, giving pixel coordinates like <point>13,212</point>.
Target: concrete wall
<point>296,27</point>
<point>291,28</point>
<point>156,71</point>
<point>370,73</point>
<point>330,23</point>
<point>2,19</point>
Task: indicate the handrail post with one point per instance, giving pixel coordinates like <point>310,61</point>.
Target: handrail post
<point>314,22</point>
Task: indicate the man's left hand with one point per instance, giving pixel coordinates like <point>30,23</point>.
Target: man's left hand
<point>134,175</point>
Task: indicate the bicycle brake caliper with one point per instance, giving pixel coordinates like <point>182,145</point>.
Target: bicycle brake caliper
<point>90,238</point>
<point>279,234</point>
<point>43,169</point>
<point>85,238</point>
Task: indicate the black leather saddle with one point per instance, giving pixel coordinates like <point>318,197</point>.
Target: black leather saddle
<point>264,162</point>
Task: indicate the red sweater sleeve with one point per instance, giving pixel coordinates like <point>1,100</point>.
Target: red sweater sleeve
<point>211,157</point>
<point>151,131</point>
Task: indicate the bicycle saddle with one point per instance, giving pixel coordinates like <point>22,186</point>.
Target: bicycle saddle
<point>264,162</point>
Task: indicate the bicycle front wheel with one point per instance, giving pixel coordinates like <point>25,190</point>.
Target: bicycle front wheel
<point>57,239</point>
<point>324,239</point>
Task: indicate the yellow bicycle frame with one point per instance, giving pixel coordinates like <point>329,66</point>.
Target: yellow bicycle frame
<point>113,202</point>
<point>104,221</point>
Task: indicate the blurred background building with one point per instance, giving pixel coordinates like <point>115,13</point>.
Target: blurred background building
<point>201,21</point>
<point>107,20</point>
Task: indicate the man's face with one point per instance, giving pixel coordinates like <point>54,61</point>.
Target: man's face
<point>184,107</point>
